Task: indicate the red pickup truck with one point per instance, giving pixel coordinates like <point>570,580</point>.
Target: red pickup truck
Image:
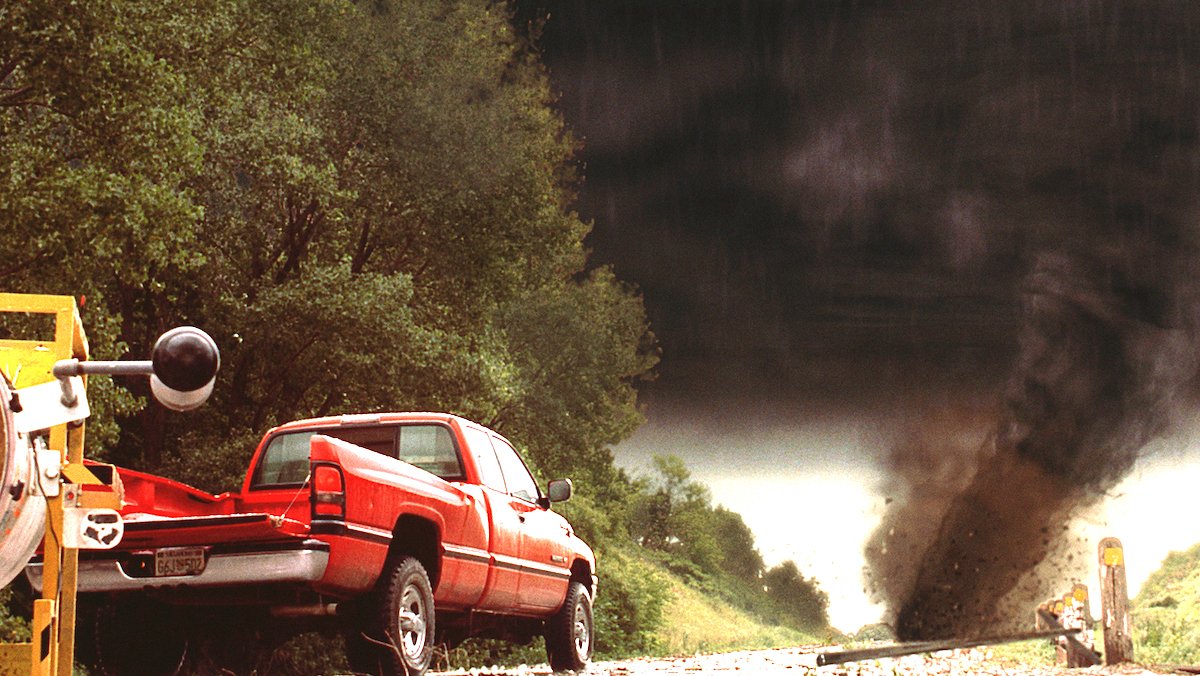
<point>397,524</point>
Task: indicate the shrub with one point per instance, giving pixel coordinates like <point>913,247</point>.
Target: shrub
<point>629,605</point>
<point>14,627</point>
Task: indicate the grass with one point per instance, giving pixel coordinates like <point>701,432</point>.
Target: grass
<point>1040,652</point>
<point>1028,653</point>
<point>694,622</point>
<point>1166,614</point>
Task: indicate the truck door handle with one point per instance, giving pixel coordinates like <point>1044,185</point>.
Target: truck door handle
<point>521,518</point>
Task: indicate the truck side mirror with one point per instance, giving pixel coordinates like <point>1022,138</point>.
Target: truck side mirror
<point>560,490</point>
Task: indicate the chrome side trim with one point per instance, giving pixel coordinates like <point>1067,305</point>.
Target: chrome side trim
<point>305,565</point>
<point>465,553</point>
<point>526,566</point>
<point>369,533</point>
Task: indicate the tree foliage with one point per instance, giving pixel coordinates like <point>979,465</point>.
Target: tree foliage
<point>1167,611</point>
<point>798,601</point>
<point>367,205</point>
<point>674,515</point>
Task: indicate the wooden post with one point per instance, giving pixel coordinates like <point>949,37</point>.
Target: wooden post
<point>1068,643</point>
<point>1039,624</point>
<point>1077,615</point>
<point>1080,593</point>
<point>1060,646</point>
<point>1114,603</point>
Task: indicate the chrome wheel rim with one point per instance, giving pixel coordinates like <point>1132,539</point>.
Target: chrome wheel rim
<point>580,631</point>
<point>413,628</point>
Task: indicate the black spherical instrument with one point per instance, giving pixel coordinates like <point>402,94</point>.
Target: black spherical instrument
<point>185,359</point>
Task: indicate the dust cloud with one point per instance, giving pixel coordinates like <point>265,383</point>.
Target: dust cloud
<point>1072,129</point>
<point>1106,350</point>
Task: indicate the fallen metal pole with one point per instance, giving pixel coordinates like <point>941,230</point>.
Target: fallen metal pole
<point>901,649</point>
<point>1079,648</point>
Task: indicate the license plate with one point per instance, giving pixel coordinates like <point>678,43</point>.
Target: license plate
<point>178,561</point>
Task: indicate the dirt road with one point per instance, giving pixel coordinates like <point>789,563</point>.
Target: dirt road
<point>802,661</point>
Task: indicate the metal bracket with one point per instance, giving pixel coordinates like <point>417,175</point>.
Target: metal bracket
<point>48,405</point>
<point>48,465</point>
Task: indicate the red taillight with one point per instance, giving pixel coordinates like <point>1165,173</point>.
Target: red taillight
<point>328,491</point>
<point>327,479</point>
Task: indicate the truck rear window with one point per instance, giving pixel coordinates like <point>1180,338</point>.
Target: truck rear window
<point>430,447</point>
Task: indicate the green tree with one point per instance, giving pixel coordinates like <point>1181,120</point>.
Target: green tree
<point>739,556</point>
<point>673,514</point>
<point>676,516</point>
<point>367,204</point>
<point>577,350</point>
<point>403,187</point>
<point>798,601</point>
<point>96,142</point>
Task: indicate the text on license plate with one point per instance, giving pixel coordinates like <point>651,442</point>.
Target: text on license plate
<point>178,561</point>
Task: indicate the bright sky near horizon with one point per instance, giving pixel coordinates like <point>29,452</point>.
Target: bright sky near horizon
<point>820,516</point>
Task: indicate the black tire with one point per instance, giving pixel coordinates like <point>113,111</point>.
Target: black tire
<point>570,632</point>
<point>106,644</point>
<point>398,624</point>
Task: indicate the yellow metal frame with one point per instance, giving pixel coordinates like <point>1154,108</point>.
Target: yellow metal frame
<point>29,362</point>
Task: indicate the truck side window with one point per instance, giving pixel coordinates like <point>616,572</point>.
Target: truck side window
<point>285,461</point>
<point>431,448</point>
<point>516,475</point>
<point>485,458</point>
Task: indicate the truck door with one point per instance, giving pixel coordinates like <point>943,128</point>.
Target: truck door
<point>544,567</point>
<point>504,546</point>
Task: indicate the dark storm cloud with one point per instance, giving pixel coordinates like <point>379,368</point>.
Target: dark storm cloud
<point>867,202</point>
<point>753,167</point>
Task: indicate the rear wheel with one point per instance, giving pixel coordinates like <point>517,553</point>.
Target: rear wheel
<point>570,631</point>
<point>396,636</point>
<point>107,644</point>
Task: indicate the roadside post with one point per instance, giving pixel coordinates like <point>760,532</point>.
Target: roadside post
<point>1077,651</point>
<point>1070,650</point>
<point>1114,603</point>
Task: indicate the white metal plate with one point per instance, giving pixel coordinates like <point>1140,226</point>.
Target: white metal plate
<point>97,528</point>
<point>42,407</point>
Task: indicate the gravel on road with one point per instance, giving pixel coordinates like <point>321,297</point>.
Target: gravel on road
<point>802,662</point>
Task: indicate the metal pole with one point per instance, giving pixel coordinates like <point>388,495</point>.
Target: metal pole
<point>73,367</point>
<point>901,649</point>
<point>1076,651</point>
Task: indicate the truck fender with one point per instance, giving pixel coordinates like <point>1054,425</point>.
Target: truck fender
<point>581,572</point>
<point>419,536</point>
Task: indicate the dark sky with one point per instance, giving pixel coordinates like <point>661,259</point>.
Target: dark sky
<point>832,200</point>
<point>742,166</point>
<point>972,223</point>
